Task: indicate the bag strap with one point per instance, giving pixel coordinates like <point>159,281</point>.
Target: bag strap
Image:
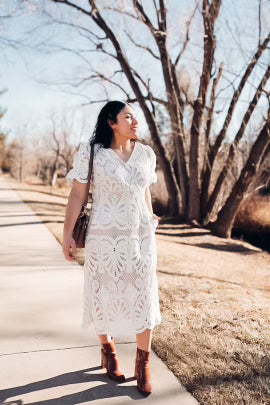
<point>90,173</point>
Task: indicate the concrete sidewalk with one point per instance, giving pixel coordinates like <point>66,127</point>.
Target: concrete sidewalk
<point>45,357</point>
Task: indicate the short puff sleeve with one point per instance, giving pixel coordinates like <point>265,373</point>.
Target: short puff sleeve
<point>80,165</point>
<point>152,176</point>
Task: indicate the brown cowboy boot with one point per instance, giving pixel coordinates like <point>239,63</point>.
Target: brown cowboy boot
<point>110,362</point>
<point>142,372</point>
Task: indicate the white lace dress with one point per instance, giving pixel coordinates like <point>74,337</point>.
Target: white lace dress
<point>120,281</point>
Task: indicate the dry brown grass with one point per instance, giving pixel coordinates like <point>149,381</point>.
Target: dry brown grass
<point>214,298</point>
<point>254,214</point>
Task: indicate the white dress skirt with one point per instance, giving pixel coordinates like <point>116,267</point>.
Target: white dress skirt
<point>120,290</point>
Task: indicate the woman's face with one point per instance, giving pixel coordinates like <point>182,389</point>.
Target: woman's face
<point>127,124</point>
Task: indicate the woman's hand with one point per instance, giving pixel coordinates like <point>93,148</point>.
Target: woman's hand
<point>156,217</point>
<point>76,198</point>
<point>69,244</point>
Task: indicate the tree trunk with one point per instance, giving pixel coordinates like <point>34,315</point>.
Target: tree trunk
<point>174,106</point>
<point>205,180</point>
<point>229,161</point>
<point>54,179</point>
<point>210,13</point>
<point>213,150</point>
<point>172,187</point>
<point>223,225</point>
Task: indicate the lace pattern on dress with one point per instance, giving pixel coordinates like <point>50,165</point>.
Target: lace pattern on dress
<point>120,282</point>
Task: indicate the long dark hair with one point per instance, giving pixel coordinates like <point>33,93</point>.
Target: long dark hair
<point>103,133</point>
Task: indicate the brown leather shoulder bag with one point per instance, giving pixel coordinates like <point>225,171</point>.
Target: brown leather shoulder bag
<point>80,227</point>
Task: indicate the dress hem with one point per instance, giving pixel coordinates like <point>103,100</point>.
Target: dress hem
<point>111,333</point>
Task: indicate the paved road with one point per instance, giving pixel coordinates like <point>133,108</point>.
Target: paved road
<point>45,357</point>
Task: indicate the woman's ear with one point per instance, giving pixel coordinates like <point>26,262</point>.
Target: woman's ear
<point>110,123</point>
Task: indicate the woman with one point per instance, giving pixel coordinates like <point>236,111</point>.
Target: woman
<point>120,281</point>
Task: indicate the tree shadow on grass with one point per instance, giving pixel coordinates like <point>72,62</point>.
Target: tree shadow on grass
<point>182,234</point>
<point>230,247</point>
<point>191,275</point>
<point>176,226</point>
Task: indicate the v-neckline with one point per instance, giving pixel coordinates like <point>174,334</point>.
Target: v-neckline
<point>125,162</point>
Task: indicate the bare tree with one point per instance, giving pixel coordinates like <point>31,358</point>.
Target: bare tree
<point>192,188</point>
<point>192,198</point>
<point>19,157</point>
<point>56,150</point>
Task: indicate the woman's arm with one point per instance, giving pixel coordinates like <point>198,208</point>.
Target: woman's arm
<point>148,200</point>
<point>75,201</point>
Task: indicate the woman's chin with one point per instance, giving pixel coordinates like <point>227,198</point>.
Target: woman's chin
<point>134,135</point>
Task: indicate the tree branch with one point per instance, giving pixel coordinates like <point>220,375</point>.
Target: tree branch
<point>121,12</point>
<point>235,98</point>
<point>188,24</point>
<point>222,226</point>
<point>229,160</point>
<point>143,47</point>
<point>73,5</point>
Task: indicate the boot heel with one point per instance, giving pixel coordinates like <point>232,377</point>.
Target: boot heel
<point>103,360</point>
<point>110,362</point>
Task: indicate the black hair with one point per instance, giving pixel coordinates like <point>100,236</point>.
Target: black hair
<point>103,133</point>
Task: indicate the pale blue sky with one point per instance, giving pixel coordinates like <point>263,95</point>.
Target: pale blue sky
<point>30,103</point>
